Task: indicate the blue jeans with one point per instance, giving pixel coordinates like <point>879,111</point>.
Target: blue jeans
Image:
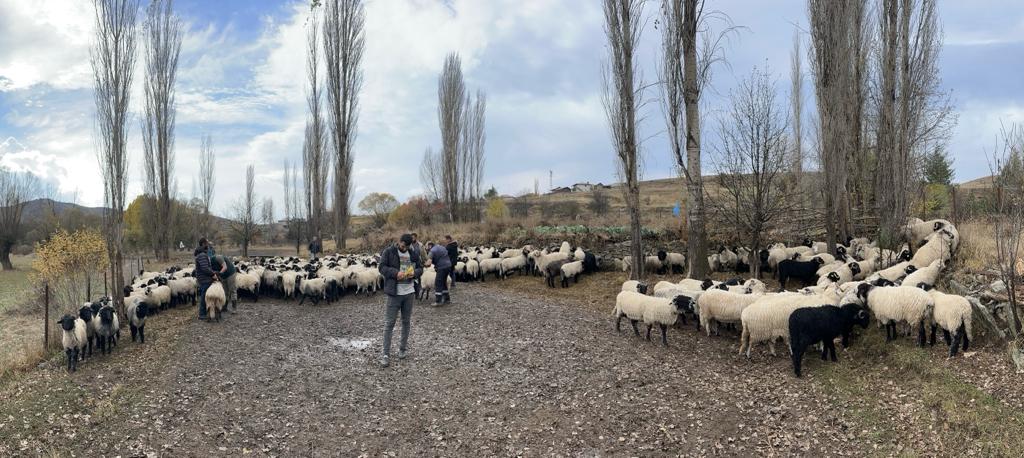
<point>202,299</point>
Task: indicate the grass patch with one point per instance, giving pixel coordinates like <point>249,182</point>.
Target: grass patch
<point>953,413</point>
<point>14,284</point>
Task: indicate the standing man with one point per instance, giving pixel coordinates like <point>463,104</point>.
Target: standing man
<point>203,273</point>
<point>400,265</point>
<point>453,254</point>
<point>225,269</point>
<point>443,266</point>
<point>315,247</point>
<point>418,248</point>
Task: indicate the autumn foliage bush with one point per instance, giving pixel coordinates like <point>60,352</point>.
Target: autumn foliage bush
<point>68,261</point>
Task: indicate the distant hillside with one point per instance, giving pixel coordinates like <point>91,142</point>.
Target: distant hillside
<point>977,183</point>
<point>37,209</point>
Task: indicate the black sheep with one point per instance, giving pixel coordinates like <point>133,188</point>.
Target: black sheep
<point>589,262</point>
<point>553,270</point>
<point>810,325</point>
<point>805,271</point>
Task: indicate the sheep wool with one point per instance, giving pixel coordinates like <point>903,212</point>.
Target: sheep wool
<point>928,275</point>
<point>137,310</point>
<point>953,314</point>
<point>565,249</point>
<point>937,247</point>
<point>722,307</point>
<point>571,270</point>
<point>215,300</point>
<point>893,273</point>
<point>630,305</point>
<point>74,339</point>
<point>665,314</point>
<point>634,286</point>
<point>767,318</point>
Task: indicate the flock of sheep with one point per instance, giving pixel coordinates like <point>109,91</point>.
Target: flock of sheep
<point>839,292</point>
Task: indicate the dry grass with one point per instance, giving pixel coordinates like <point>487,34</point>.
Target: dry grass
<point>977,245</point>
<point>14,283</point>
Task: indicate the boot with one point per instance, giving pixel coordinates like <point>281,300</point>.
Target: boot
<point>437,299</point>
<point>447,298</point>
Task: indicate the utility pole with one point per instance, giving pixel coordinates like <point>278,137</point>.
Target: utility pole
<point>551,180</point>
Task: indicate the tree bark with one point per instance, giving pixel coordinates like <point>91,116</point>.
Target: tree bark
<point>696,233</point>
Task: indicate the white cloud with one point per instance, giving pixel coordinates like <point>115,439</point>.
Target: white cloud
<point>45,42</point>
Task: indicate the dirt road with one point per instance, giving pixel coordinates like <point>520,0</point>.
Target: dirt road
<point>493,374</point>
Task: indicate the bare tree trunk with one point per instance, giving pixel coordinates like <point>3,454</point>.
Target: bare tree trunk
<point>697,244</point>
<point>113,63</point>
<point>207,180</point>
<point>451,100</point>
<point>344,42</point>
<point>15,190</point>
<point>622,94</point>
<point>163,34</point>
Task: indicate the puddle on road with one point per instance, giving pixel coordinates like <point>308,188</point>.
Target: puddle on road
<point>349,344</point>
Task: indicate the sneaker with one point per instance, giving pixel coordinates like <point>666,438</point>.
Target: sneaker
<point>203,318</point>
<point>447,298</point>
<point>401,354</point>
<point>385,361</point>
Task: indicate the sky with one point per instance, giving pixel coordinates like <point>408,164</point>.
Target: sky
<point>242,81</point>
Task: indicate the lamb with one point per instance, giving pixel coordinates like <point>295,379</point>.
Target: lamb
<point>571,270</point>
<point>715,262</point>
<point>767,319</point>
<point>937,247</point>
<point>136,311</point>
<point>545,259</point>
<point>722,307</point>
<point>804,271</point>
<point>953,313</point>
<point>727,258</point>
<point>473,269</point>
<point>811,325</point>
<point>365,280</point>
<point>635,286</point>
<point>665,314</point>
<point>552,271</point>
<point>656,263</point>
<point>108,328</point>
<point>579,254</point>
<point>898,303</point>
<point>928,275</point>
<point>215,300</point>
<point>75,339</point>
<point>427,283</point>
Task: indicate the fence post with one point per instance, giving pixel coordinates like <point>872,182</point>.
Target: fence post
<point>88,287</point>
<point>46,316</point>
<point>104,282</point>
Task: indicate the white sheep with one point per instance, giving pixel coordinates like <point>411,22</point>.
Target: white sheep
<point>565,249</point>
<point>579,254</point>
<point>676,262</point>
<point>727,258</point>
<point>513,264</point>
<point>313,288</point>
<point>937,247</point>
<point>917,231</point>
<point>928,275</point>
<point>544,260</point>
<point>665,313</point>
<point>159,296</point>
<point>893,304</point>
<point>365,280</point>
<point>571,270</point>
<point>490,265</point>
<point>715,262</point>
<point>866,268</point>
<point>107,327</point>
<point>215,300</point>
<point>635,286</point>
<point>776,255</point>
<point>820,247</point>
<point>288,282</point>
<point>136,310</point>
<point>697,285</point>
<point>251,282</point>
<point>631,304</point>
<point>895,273</point>
<point>722,307</point>
<point>953,314</point>
<point>840,275</point>
<point>74,339</point>
<point>767,318</point>
<point>473,268</point>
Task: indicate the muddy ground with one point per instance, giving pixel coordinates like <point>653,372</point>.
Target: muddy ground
<point>500,372</point>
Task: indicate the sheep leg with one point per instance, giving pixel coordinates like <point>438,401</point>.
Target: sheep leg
<point>618,323</point>
<point>888,332</point>
<point>931,340</point>
<point>771,347</point>
<point>635,330</point>
<point>953,347</point>
<point>920,334</point>
<point>135,331</point>
<point>649,332</point>
<point>142,333</point>
<point>963,334</point>
<point>946,335</point>
<point>682,316</point>
<point>824,351</point>
<point>798,356</point>
<point>830,347</point>
<point>664,334</point>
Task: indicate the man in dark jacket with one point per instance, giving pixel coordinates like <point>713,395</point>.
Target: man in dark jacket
<point>400,266</point>
<point>453,255</point>
<point>203,273</point>
<point>315,247</point>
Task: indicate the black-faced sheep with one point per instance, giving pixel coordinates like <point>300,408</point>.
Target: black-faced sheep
<point>634,286</point>
<point>136,311</point>
<point>953,314</point>
<point>108,328</point>
<point>665,314</point>
<point>552,271</point>
<point>891,305</point>
<point>215,300</point>
<point>571,270</point>
<point>811,325</point>
<point>804,271</point>
<point>74,339</point>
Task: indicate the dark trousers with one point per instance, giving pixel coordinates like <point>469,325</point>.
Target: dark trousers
<point>202,299</point>
<point>441,281</point>
<point>395,305</point>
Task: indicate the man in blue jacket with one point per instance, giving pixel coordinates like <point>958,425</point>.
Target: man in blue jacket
<point>400,266</point>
